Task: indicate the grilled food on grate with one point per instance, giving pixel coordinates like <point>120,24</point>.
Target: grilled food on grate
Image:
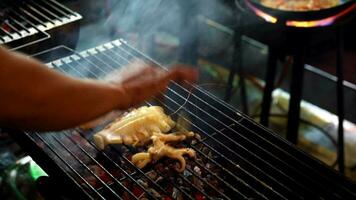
<point>300,5</point>
<point>160,149</point>
<point>135,128</point>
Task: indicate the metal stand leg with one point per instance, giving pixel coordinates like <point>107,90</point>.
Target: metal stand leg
<point>340,101</point>
<point>230,81</point>
<point>243,91</point>
<point>237,67</point>
<point>267,93</point>
<point>295,94</point>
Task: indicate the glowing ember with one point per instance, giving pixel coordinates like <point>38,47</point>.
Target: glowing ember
<point>263,15</point>
<point>303,24</point>
<point>323,22</point>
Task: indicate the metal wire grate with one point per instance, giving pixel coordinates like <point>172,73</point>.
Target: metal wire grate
<point>29,21</point>
<point>236,158</point>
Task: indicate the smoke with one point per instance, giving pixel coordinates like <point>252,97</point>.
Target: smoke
<point>179,24</point>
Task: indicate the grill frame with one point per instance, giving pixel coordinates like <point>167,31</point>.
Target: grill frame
<point>37,25</point>
<point>267,136</point>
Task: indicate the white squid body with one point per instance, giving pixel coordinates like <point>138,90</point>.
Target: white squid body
<point>135,128</point>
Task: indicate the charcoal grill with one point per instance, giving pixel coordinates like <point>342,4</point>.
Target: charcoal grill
<point>25,25</point>
<point>293,34</point>
<point>236,157</point>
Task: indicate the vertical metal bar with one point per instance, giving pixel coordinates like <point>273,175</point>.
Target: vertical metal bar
<point>243,91</point>
<point>340,99</point>
<point>296,88</point>
<point>230,85</point>
<point>237,67</point>
<point>269,86</point>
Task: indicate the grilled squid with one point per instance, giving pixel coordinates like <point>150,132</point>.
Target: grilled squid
<point>160,149</point>
<point>135,128</point>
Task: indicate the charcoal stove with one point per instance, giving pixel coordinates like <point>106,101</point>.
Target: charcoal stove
<point>31,26</point>
<point>291,32</point>
<point>236,157</point>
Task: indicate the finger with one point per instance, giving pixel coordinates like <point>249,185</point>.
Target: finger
<point>183,74</point>
<point>146,70</point>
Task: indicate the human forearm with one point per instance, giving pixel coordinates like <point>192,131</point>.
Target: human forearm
<point>35,97</point>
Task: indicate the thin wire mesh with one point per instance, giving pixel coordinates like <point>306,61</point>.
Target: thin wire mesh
<point>63,67</point>
<point>33,18</point>
<point>279,144</point>
<point>216,110</point>
<point>219,129</point>
<point>94,53</point>
<point>81,74</point>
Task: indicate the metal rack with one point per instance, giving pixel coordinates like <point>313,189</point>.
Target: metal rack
<point>31,22</point>
<point>236,157</point>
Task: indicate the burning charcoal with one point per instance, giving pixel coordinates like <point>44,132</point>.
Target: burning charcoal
<point>186,173</point>
<point>154,193</point>
<point>143,183</point>
<point>196,181</point>
<point>210,154</point>
<point>180,181</point>
<point>209,166</point>
<point>200,161</point>
<point>159,167</point>
<point>152,175</point>
<point>197,170</point>
<point>137,191</point>
<point>205,150</point>
<point>126,196</point>
<point>177,194</point>
<point>199,196</point>
<point>160,179</point>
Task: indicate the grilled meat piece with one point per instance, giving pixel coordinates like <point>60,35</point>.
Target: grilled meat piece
<point>135,128</point>
<point>160,149</point>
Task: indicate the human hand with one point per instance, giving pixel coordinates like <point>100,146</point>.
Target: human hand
<point>143,81</point>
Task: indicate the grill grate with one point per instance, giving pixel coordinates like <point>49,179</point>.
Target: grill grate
<point>27,23</point>
<point>236,158</point>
